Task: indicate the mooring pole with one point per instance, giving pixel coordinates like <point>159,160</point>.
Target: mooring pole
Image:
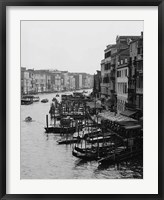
<point>47,120</point>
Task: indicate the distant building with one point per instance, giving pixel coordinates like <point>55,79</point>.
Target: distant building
<point>108,71</point>
<point>32,81</point>
<point>78,81</point>
<point>66,81</point>
<point>23,69</point>
<point>42,80</point>
<point>56,81</point>
<point>71,83</point>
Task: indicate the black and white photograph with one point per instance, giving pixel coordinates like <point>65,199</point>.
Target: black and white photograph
<point>81,103</point>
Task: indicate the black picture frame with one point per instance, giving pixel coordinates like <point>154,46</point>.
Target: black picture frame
<point>3,5</point>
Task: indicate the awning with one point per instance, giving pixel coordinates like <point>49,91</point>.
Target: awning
<point>112,117</point>
<point>137,126</point>
<point>128,113</point>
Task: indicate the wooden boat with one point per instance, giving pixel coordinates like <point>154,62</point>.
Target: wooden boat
<point>44,100</point>
<point>28,119</point>
<point>36,99</point>
<point>99,139</point>
<point>69,141</point>
<point>120,155</point>
<point>64,126</point>
<point>31,98</point>
<point>93,153</point>
<point>60,130</point>
<point>26,102</point>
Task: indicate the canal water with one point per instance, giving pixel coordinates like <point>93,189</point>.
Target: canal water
<point>43,158</point>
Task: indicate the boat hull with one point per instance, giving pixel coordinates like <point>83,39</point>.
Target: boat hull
<point>69,141</point>
<point>60,130</point>
<point>26,102</point>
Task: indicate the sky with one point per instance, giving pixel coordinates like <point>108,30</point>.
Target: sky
<point>74,46</point>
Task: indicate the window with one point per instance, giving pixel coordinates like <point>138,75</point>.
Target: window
<point>118,73</point>
<point>126,60</point>
<point>126,72</point>
<point>108,54</point>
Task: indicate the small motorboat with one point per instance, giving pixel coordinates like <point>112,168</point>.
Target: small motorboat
<point>28,119</point>
<point>44,100</point>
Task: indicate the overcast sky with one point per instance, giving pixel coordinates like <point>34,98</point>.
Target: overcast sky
<point>75,46</point>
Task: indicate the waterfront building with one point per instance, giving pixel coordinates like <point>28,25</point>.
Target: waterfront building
<point>38,81</point>
<point>104,90</point>
<point>71,82</point>
<point>139,74</point>
<point>97,84</point>
<point>84,80</point>
<point>32,82</point>
<point>89,81</point>
<point>22,79</point>
<point>124,72</point>
<point>108,71</point>
<point>56,80</point>
<point>78,81</point>
<point>65,80</point>
<point>42,80</point>
<point>28,85</point>
<point>122,60</point>
<point>136,75</point>
<point>108,76</point>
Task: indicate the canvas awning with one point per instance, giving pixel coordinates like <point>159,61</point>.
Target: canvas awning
<point>112,117</point>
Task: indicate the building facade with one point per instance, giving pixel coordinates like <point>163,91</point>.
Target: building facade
<point>97,84</point>
<point>122,74</point>
<point>122,79</point>
<point>38,81</point>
